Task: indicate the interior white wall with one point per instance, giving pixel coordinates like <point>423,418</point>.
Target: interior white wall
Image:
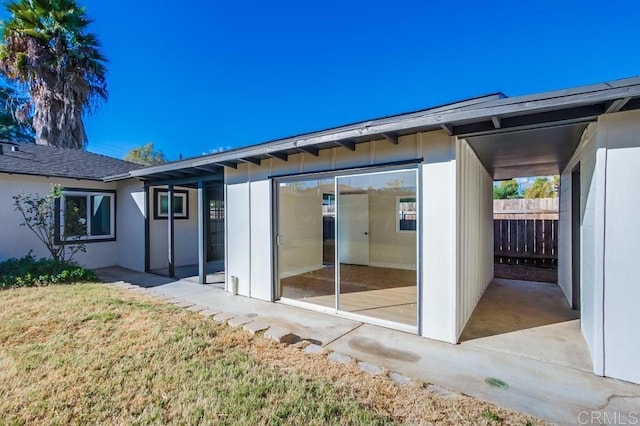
<point>300,229</point>
<point>474,248</point>
<point>185,234</point>
<point>389,248</point>
<point>16,240</point>
<point>621,137</point>
<point>589,156</point>
<point>130,210</point>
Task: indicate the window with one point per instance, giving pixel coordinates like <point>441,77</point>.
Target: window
<point>328,205</point>
<point>87,215</point>
<point>180,204</point>
<point>407,213</point>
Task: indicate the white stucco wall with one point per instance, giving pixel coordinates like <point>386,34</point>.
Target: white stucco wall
<point>591,250</point>
<point>16,240</point>
<point>474,211</point>
<point>620,135</point>
<point>609,154</point>
<point>185,234</point>
<point>261,240</point>
<point>238,233</point>
<point>438,294</point>
<point>130,211</point>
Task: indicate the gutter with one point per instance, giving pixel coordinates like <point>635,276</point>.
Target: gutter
<point>114,178</point>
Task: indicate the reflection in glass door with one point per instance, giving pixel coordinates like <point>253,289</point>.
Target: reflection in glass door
<point>306,241</point>
<point>370,221</point>
<point>377,245</point>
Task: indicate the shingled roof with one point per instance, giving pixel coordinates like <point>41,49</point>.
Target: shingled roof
<point>41,160</point>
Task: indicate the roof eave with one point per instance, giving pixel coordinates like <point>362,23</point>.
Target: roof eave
<point>432,119</point>
<point>114,178</point>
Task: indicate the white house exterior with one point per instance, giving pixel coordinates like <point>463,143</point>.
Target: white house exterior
<point>390,221</point>
<point>33,169</point>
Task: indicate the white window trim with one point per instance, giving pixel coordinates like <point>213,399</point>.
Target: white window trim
<point>398,198</point>
<point>181,215</point>
<point>88,195</point>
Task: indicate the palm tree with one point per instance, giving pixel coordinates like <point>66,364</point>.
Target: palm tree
<point>14,125</point>
<point>48,50</point>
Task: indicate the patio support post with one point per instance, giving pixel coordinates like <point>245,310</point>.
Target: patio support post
<point>202,245</point>
<point>170,231</point>
<point>147,248</point>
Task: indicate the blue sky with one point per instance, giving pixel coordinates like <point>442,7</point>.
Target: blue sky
<point>196,76</point>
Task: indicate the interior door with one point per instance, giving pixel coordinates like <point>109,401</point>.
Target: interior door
<point>353,211</point>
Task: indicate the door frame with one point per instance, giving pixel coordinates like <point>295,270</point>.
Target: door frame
<point>576,238</point>
<point>356,171</point>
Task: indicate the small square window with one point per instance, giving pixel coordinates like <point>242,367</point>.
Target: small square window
<point>407,213</point>
<point>180,204</point>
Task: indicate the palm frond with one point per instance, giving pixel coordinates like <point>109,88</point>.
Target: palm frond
<point>48,49</point>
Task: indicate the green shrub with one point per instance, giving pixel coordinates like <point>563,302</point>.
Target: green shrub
<point>29,272</point>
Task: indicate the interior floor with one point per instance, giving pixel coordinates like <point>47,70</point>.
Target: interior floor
<point>383,293</point>
<point>511,305</point>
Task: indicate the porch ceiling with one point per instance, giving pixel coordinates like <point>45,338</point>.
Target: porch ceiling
<point>534,152</point>
<point>186,176</point>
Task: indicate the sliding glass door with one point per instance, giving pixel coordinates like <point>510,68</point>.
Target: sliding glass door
<point>377,245</point>
<point>306,241</point>
<point>368,222</point>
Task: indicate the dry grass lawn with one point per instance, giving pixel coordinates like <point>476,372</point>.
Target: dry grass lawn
<point>91,353</point>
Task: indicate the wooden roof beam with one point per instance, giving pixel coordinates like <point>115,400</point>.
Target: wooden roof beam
<point>228,164</point>
<point>250,160</point>
<point>279,155</point>
<point>350,145</point>
<point>447,128</point>
<point>189,172</point>
<point>177,173</point>
<point>617,105</point>
<point>391,137</point>
<point>211,169</point>
<point>310,150</point>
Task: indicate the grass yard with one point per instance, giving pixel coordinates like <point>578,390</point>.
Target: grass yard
<point>91,353</point>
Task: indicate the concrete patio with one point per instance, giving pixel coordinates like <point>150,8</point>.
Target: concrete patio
<point>546,368</point>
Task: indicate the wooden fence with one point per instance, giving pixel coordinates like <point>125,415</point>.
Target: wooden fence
<point>526,241</point>
<point>526,208</point>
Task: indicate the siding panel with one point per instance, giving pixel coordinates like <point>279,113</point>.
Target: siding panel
<point>474,232</point>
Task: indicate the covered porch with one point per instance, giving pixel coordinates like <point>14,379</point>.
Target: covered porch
<point>184,225</point>
<point>524,318</point>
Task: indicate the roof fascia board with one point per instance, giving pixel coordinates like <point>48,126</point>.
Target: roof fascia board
<point>592,88</point>
<point>435,120</point>
<point>425,120</point>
